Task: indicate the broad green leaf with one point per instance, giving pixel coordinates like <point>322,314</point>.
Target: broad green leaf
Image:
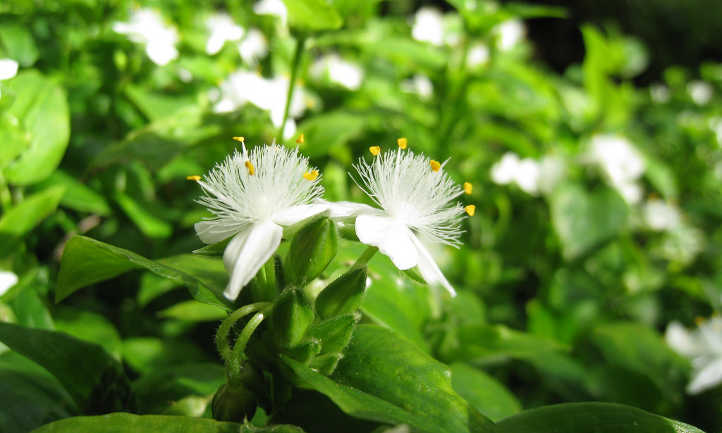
<point>156,106</point>
<point>145,354</point>
<point>312,15</point>
<point>87,261</point>
<point>94,379</point>
<point>125,422</point>
<point>331,130</point>
<point>483,392</point>
<point>29,308</point>
<point>148,223</point>
<point>13,139</point>
<point>584,220</point>
<point>18,43</point>
<point>385,378</point>
<point>41,110</point>
<point>24,216</point>
<point>194,311</point>
<point>78,196</point>
<point>90,327</point>
<point>590,418</point>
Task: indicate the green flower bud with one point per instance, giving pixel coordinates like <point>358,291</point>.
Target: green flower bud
<point>344,295</point>
<point>312,249</point>
<point>326,364</point>
<point>233,403</point>
<point>305,352</point>
<point>334,334</point>
<point>290,318</point>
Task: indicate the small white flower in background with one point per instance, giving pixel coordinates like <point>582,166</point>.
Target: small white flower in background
<point>660,215</point>
<point>222,29</point>
<point>272,7</point>
<point>715,125</point>
<point>659,93</point>
<point>509,33</point>
<point>504,171</point>
<point>552,170</point>
<point>267,94</point>
<point>703,347</point>
<point>428,26</point>
<point>338,70</point>
<point>417,201</point>
<point>420,85</point>
<point>700,92</point>
<point>7,280</point>
<point>530,175</point>
<point>146,26</point>
<point>253,47</point>
<point>253,196</point>
<point>8,69</point>
<point>622,163</point>
<point>478,55</point>
<point>682,244</point>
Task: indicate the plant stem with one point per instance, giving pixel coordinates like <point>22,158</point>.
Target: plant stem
<point>227,324</point>
<point>300,43</point>
<point>365,257</point>
<point>239,348</point>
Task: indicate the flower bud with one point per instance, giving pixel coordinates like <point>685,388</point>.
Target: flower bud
<point>233,403</point>
<point>312,249</point>
<point>290,318</point>
<point>343,295</point>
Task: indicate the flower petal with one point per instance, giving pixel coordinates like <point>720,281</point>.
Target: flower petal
<point>348,209</point>
<point>214,231</point>
<point>428,268</point>
<point>682,340</point>
<point>247,252</point>
<point>298,214</point>
<point>706,378</point>
<point>391,237</point>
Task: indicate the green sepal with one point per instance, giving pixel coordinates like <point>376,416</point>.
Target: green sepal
<point>290,318</point>
<point>344,295</point>
<point>312,249</point>
<point>305,352</point>
<point>326,364</point>
<point>334,334</point>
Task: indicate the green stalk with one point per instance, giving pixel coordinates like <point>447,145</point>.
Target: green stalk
<point>364,259</point>
<point>227,324</point>
<point>239,348</point>
<point>300,43</point>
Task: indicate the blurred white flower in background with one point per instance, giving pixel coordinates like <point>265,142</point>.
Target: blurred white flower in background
<point>622,163</point>
<point>420,85</point>
<point>146,26</point>
<point>700,92</point>
<point>478,55</point>
<point>659,93</point>
<point>703,347</point>
<point>530,175</point>
<point>8,69</point>
<point>7,280</point>
<point>243,87</point>
<point>715,125</point>
<point>339,71</point>
<point>222,29</point>
<point>509,33</point>
<point>428,26</point>
<point>272,7</point>
<point>660,215</point>
<point>253,47</point>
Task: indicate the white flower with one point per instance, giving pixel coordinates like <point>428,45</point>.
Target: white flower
<point>660,215</point>
<point>253,47</point>
<point>659,93</point>
<point>703,347</point>
<point>339,71</point>
<point>530,175</point>
<point>267,94</point>
<point>253,196</point>
<point>478,55</point>
<point>146,26</point>
<point>222,29</point>
<point>622,163</point>
<point>272,7</point>
<point>416,198</point>
<point>509,33</point>
<point>8,69</point>
<point>7,280</point>
<point>700,92</point>
<point>428,26</point>
<point>419,84</point>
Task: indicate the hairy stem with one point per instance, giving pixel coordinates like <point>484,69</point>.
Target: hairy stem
<point>224,330</point>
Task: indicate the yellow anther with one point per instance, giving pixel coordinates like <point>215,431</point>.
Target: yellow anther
<point>470,209</point>
<point>300,139</point>
<point>240,139</point>
<point>468,187</point>
<point>402,142</point>
<point>375,150</point>
<point>194,178</point>
<point>310,175</point>
<point>250,167</point>
<point>435,165</point>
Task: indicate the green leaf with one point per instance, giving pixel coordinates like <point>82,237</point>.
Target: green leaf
<point>125,422</point>
<point>385,378</point>
<point>24,216</point>
<point>330,130</point>
<point>146,354</point>
<point>590,418</point>
<point>151,225</point>
<point>312,249</point>
<point>19,44</point>
<point>94,379</point>
<point>90,327</point>
<point>585,220</point>
<point>78,196</point>
<point>483,392</point>
<point>194,311</point>
<point>312,15</point>
<point>87,261</point>
<point>41,110</point>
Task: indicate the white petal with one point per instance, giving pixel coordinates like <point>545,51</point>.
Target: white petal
<point>214,231</point>
<point>391,237</point>
<point>708,377</point>
<point>161,53</point>
<point>428,268</point>
<point>682,341</point>
<point>7,280</point>
<point>247,253</point>
<point>298,214</point>
<point>8,68</point>
<point>348,209</point>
